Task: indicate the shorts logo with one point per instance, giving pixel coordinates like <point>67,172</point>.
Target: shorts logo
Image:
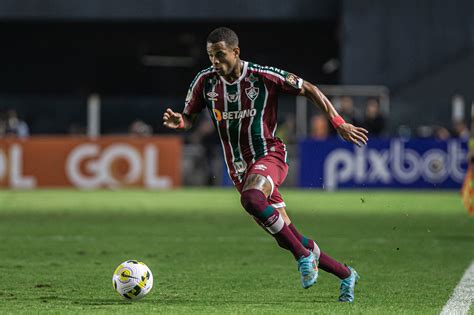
<point>252,93</point>
<point>232,98</point>
<point>212,96</point>
<point>260,167</point>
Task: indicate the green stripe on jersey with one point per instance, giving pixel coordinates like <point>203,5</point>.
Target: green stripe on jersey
<point>257,124</point>
<point>233,103</point>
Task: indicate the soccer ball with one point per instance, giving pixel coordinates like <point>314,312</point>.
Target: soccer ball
<point>132,280</point>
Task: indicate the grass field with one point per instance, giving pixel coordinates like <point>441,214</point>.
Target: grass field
<point>58,250</point>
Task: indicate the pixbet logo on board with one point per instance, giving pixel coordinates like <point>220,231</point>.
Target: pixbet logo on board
<point>394,164</point>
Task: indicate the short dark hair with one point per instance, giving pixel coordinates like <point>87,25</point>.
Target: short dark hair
<point>223,34</point>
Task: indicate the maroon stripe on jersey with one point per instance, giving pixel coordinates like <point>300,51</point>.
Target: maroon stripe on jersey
<point>269,116</point>
<point>246,103</point>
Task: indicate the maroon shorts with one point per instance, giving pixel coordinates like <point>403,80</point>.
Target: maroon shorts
<point>274,168</point>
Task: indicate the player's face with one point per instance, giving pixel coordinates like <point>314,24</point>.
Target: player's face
<point>223,58</point>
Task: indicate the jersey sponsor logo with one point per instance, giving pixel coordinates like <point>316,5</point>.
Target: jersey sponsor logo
<point>279,71</point>
<point>212,96</point>
<point>252,92</point>
<point>293,80</point>
<point>251,78</point>
<point>232,97</point>
<point>217,114</point>
<point>260,167</point>
<point>239,114</point>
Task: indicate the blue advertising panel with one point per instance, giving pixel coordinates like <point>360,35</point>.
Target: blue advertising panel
<point>383,163</point>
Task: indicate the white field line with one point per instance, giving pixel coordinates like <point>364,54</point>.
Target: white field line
<point>463,294</point>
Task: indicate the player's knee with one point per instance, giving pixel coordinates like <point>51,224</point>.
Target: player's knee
<point>253,200</point>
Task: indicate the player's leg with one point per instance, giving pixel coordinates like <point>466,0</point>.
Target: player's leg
<point>348,275</point>
<point>306,242</point>
<point>326,262</point>
<point>254,196</point>
<point>256,190</point>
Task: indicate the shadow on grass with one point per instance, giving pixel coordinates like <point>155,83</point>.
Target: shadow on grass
<point>185,301</point>
<point>461,238</point>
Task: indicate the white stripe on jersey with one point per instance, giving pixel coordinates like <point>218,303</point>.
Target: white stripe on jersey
<point>274,129</point>
<point>265,151</point>
<point>239,100</point>
<point>227,122</point>
<point>250,129</point>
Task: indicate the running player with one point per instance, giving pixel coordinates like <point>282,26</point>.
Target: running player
<point>242,100</point>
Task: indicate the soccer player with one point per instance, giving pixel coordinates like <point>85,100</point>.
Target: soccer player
<point>242,99</point>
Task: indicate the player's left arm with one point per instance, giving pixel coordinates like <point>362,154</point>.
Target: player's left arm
<point>349,132</point>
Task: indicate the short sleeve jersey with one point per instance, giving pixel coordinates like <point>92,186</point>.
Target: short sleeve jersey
<point>244,112</point>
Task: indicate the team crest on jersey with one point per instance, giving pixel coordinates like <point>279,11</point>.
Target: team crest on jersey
<point>212,96</point>
<point>292,80</point>
<point>232,97</point>
<point>252,92</point>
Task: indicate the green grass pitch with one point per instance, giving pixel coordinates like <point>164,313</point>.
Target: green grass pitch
<point>59,248</point>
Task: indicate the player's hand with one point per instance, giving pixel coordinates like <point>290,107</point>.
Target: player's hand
<point>351,133</point>
<point>171,119</point>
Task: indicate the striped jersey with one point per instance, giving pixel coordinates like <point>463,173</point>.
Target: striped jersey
<point>244,112</point>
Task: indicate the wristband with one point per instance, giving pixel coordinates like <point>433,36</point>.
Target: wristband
<point>337,121</point>
<point>181,124</point>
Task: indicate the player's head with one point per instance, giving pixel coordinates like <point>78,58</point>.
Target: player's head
<point>223,50</point>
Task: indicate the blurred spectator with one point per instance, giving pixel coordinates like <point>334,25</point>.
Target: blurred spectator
<point>3,124</point>
<point>15,126</point>
<point>460,130</point>
<point>140,128</point>
<point>441,133</point>
<point>76,129</point>
<point>404,132</point>
<point>319,127</point>
<point>206,136</point>
<point>374,121</point>
<point>287,130</point>
<point>426,131</point>
<point>348,111</point>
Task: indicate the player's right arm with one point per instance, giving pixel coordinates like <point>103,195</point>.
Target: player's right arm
<point>175,120</point>
<point>193,106</point>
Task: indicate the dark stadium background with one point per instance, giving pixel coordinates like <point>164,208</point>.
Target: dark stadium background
<point>55,53</point>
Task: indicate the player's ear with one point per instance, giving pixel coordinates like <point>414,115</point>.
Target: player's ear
<point>236,51</point>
